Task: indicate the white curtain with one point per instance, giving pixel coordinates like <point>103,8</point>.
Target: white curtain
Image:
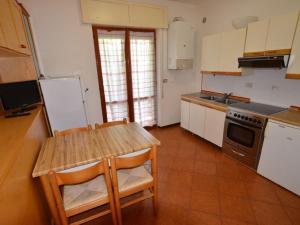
<point>112,54</point>
<point>142,49</point>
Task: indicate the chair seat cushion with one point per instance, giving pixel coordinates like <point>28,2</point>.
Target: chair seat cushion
<point>130,178</point>
<point>80,194</point>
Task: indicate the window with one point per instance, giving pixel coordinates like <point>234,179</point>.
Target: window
<point>127,76</point>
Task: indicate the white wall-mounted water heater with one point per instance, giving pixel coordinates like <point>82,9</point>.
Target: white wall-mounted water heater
<point>181,44</point>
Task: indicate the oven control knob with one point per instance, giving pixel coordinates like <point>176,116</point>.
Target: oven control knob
<point>235,115</point>
<point>254,120</point>
<point>238,115</point>
<point>246,118</point>
<point>250,119</point>
<point>259,122</point>
<point>242,117</point>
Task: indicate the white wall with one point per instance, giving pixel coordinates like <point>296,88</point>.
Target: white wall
<point>65,46</point>
<point>219,16</point>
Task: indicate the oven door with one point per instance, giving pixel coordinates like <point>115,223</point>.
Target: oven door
<point>244,137</point>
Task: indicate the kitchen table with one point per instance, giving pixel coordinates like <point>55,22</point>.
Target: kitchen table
<point>81,148</point>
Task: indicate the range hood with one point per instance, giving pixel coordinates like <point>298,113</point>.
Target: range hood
<point>280,61</point>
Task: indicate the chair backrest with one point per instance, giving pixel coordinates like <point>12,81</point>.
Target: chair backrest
<point>134,161</point>
<point>112,123</point>
<point>77,177</point>
<point>72,130</point>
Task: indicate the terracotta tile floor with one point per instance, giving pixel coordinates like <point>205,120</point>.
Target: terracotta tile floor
<point>199,185</point>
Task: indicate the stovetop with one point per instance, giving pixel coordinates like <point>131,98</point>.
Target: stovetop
<point>260,108</point>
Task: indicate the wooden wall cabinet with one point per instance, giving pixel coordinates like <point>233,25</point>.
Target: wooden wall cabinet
<point>232,47</point>
<point>281,34</point>
<point>279,160</point>
<point>203,121</point>
<point>12,26</point>
<point>7,25</point>
<point>123,13</point>
<point>293,71</point>
<point>257,33</point>
<point>16,11</point>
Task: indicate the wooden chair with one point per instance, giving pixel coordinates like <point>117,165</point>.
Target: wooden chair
<point>72,130</point>
<point>129,176</point>
<point>79,191</point>
<point>112,123</point>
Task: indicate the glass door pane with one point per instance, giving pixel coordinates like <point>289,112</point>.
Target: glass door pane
<point>142,53</point>
<point>113,65</point>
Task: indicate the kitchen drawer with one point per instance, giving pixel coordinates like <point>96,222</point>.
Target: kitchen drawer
<point>239,155</point>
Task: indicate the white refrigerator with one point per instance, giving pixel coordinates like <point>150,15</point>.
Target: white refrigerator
<point>64,102</point>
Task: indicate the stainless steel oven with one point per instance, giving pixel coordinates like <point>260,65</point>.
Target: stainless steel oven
<point>243,136</point>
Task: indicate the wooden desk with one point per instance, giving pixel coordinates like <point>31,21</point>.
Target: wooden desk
<point>60,153</point>
<point>21,201</point>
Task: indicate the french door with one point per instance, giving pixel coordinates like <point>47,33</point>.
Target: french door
<point>126,72</point>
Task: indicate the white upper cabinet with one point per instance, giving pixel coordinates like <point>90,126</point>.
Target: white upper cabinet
<point>256,37</point>
<point>294,64</point>
<point>220,52</point>
<point>147,16</point>
<point>210,57</point>
<point>232,47</point>
<point>122,13</point>
<point>281,33</point>
<point>105,12</point>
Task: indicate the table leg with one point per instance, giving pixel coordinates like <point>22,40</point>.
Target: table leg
<point>50,200</point>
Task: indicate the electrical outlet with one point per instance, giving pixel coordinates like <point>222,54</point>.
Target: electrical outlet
<point>249,85</point>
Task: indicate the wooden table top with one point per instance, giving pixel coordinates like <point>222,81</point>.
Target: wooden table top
<point>60,153</point>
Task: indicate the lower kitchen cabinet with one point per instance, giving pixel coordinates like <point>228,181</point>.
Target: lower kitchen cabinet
<point>203,121</point>
<point>197,119</point>
<point>214,126</point>
<point>185,115</point>
<point>280,155</point>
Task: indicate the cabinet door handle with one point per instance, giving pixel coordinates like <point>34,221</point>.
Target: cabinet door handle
<point>237,153</point>
<point>281,126</point>
<point>23,46</point>
<point>289,138</point>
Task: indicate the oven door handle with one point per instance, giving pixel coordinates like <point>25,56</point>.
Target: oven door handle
<point>238,153</point>
<point>243,123</point>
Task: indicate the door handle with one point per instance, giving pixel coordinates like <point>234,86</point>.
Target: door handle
<point>238,153</point>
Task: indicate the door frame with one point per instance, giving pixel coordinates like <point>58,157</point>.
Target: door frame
<point>130,100</point>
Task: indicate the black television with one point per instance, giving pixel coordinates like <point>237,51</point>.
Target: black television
<point>19,95</point>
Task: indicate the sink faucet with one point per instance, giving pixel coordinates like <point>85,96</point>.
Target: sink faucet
<point>227,95</point>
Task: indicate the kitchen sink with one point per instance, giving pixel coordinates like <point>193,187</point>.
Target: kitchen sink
<point>219,99</point>
<point>212,98</point>
<point>226,101</point>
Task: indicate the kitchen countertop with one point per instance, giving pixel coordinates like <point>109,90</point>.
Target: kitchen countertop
<point>290,116</point>
<point>205,102</point>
